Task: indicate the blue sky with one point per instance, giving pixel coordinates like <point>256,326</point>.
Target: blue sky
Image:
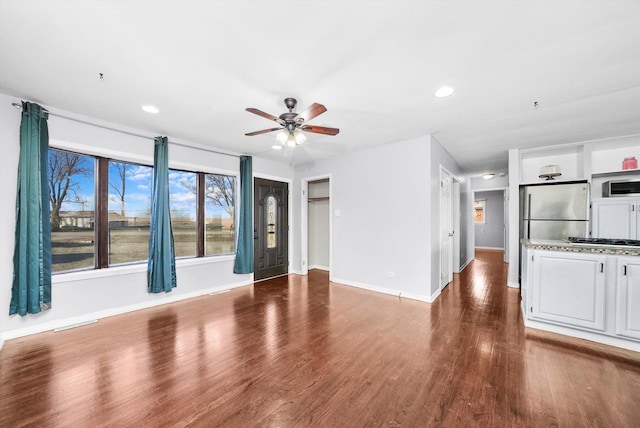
<point>138,192</point>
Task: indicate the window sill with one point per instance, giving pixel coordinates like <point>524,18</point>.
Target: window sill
<point>132,269</point>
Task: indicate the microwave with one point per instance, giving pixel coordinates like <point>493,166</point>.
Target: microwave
<point>621,188</point>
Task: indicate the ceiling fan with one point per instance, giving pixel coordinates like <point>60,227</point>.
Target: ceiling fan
<point>291,124</point>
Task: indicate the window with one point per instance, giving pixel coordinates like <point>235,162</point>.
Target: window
<point>220,196</point>
<point>479,211</point>
<point>72,197</point>
<point>182,200</point>
<point>101,211</point>
<point>129,212</point>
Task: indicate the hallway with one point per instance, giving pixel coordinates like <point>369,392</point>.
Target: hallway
<point>300,351</point>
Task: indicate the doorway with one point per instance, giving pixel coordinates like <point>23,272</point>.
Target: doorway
<point>271,228</point>
<point>316,224</point>
<point>491,220</point>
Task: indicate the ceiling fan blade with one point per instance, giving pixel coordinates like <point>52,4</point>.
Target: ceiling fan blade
<point>263,114</point>
<point>320,129</point>
<point>312,111</point>
<point>264,131</point>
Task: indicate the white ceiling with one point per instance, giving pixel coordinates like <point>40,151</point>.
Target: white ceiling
<point>373,64</point>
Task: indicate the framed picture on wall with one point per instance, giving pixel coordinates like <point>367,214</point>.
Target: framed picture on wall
<point>479,213</point>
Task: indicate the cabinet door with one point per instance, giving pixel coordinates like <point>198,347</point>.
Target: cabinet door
<point>569,288</point>
<point>637,210</point>
<point>614,219</point>
<point>628,297</point>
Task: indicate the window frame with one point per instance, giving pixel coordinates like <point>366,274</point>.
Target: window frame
<point>101,215</point>
<point>483,208</point>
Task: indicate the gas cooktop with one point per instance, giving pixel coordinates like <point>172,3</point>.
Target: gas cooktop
<point>604,241</point>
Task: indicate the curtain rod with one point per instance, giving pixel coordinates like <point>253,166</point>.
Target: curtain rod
<point>19,106</point>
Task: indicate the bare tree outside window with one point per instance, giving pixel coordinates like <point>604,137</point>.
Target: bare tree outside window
<point>120,187</point>
<point>129,215</point>
<point>64,169</point>
<point>220,198</point>
<point>220,190</point>
<point>72,198</point>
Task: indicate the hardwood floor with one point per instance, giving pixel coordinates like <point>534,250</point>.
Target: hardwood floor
<point>300,351</point>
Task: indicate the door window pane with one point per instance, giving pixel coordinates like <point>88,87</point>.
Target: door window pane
<point>129,212</point>
<point>219,214</point>
<point>182,200</point>
<point>72,196</point>
<point>272,206</point>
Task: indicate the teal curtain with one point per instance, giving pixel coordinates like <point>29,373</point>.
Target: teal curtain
<point>244,249</point>
<point>161,266</point>
<point>31,289</point>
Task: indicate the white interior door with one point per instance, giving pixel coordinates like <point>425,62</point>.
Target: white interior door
<point>446,229</point>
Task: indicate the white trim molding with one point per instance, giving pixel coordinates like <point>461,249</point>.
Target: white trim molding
<point>91,317</point>
<point>413,296</point>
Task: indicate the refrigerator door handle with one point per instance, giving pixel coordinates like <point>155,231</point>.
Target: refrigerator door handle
<point>528,223</point>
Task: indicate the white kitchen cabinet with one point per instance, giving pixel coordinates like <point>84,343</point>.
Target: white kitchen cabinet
<point>628,297</point>
<point>569,288</point>
<point>615,218</point>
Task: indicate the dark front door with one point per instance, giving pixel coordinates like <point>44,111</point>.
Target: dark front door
<point>271,232</point>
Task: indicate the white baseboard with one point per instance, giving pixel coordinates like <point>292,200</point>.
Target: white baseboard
<point>464,266</point>
<point>490,248</point>
<point>580,334</point>
<point>513,284</point>
<point>384,290</point>
<point>62,323</point>
<point>1,343</point>
<point>325,268</point>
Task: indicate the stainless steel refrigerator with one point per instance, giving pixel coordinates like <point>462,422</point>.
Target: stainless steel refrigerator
<point>554,211</point>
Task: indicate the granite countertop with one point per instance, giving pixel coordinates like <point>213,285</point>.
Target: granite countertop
<point>558,245</point>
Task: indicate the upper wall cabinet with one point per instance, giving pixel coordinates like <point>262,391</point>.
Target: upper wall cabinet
<point>615,218</point>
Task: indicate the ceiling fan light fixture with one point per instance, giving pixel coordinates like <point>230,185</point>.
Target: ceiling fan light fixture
<point>291,141</point>
<point>299,136</point>
<point>282,136</point>
<point>444,91</point>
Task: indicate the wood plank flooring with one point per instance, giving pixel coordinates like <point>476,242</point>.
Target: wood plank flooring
<point>300,351</point>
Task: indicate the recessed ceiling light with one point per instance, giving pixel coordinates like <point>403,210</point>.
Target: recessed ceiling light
<point>444,91</point>
<point>151,109</point>
<point>276,147</point>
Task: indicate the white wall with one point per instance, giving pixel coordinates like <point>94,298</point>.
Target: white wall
<point>514,218</point>
<point>87,295</point>
<point>384,215</point>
